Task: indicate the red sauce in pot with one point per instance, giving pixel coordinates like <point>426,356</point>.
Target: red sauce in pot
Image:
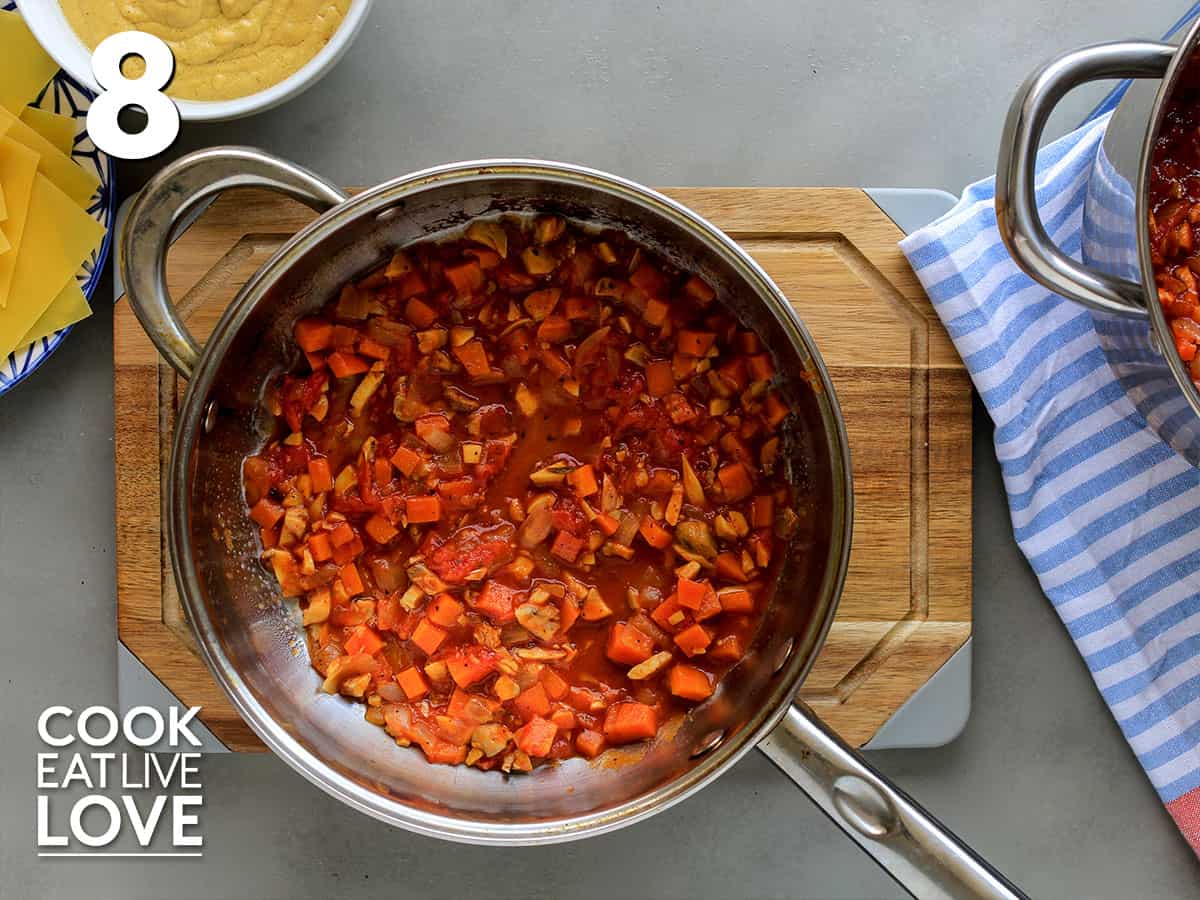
<point>526,488</point>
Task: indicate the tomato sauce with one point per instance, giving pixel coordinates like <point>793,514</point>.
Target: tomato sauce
<point>1175,216</point>
<point>526,488</point>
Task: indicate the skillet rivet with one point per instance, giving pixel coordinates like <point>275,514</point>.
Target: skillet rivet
<point>708,743</point>
<point>210,416</point>
<point>784,652</point>
<point>387,215</point>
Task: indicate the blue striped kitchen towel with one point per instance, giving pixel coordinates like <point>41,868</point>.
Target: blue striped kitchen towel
<point>1106,512</point>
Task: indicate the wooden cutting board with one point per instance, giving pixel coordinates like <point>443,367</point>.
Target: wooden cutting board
<point>906,397</point>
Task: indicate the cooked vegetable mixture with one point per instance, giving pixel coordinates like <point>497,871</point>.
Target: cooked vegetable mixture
<point>527,488</point>
<point>1175,216</point>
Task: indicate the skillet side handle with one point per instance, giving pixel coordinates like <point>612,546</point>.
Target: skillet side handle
<point>1016,189</point>
<point>925,858</point>
<point>160,211</point>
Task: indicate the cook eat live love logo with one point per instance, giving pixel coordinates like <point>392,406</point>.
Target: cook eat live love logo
<point>147,793</point>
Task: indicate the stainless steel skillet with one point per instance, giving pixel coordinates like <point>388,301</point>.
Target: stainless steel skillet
<point>253,646</point>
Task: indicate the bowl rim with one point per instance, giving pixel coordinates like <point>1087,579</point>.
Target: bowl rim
<point>48,26</point>
<point>759,723</point>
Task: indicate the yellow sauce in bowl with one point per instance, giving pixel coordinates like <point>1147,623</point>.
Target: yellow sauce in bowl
<point>224,49</point>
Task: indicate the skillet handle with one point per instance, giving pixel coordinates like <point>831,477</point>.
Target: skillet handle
<point>925,858</point>
<point>160,211</point>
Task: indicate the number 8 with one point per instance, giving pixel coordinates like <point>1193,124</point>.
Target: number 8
<point>162,116</point>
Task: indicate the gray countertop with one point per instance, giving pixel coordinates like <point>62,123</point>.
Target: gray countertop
<point>905,93</point>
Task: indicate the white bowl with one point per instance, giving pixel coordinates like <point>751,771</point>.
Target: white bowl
<point>48,24</point>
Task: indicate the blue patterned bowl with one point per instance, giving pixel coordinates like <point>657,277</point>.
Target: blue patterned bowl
<point>65,96</point>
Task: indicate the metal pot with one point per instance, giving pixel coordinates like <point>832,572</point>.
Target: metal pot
<point>253,645</point>
<point>1116,278</point>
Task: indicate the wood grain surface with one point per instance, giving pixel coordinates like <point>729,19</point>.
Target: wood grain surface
<point>905,394</point>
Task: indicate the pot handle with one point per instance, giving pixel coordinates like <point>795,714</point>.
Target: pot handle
<point>925,858</point>
<point>1016,196</point>
<point>160,212</point>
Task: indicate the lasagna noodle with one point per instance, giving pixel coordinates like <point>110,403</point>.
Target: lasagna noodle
<point>58,237</point>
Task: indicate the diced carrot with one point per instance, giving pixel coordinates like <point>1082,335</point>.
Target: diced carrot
<point>316,361</point>
<point>407,460</point>
<point>563,718</point>
<point>344,337</point>
<point>364,640</point>
<point>554,363</point>
<point>428,636</point>
<point>266,513</point>
<point>649,280</point>
<point>589,743</point>
<point>342,535</point>
<point>628,645</point>
<point>699,290</point>
<point>345,365</point>
<point>532,702</point>
<point>383,470</point>
<point>423,509</point>
<point>351,579</point>
<point>566,546</point>
<point>556,686</point>
<point>554,330</point>
<point>695,343</point>
<point>776,409</point>
<point>568,614</point>
<point>682,366</point>
<point>729,567</point>
<point>580,308</point>
<point>467,277</point>
<point>411,284</point>
<point>607,524</point>
<point>691,593</point>
<point>670,615</point>
<point>497,601</point>
<point>749,343</point>
<point>487,259</point>
<point>734,374</point>
<point>736,600</point>
<point>348,552</point>
<point>1185,348</point>
<point>540,304</point>
<point>655,535</point>
<point>536,737</point>
<point>710,606</point>
<point>693,640</point>
<point>322,478</point>
<point>660,380</point>
<point>313,334</point>
<point>761,367</point>
<point>689,682</point>
<point>473,357</point>
<point>583,480</point>
<point>470,665</point>
<point>762,511</point>
<point>373,349</point>
<point>736,448</point>
<point>726,649</point>
<point>735,480</point>
<point>628,722</point>
<point>655,312</point>
<point>269,537</point>
<point>419,312</point>
<point>380,529</point>
<point>412,682</point>
<point>320,547</point>
<point>444,611</point>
